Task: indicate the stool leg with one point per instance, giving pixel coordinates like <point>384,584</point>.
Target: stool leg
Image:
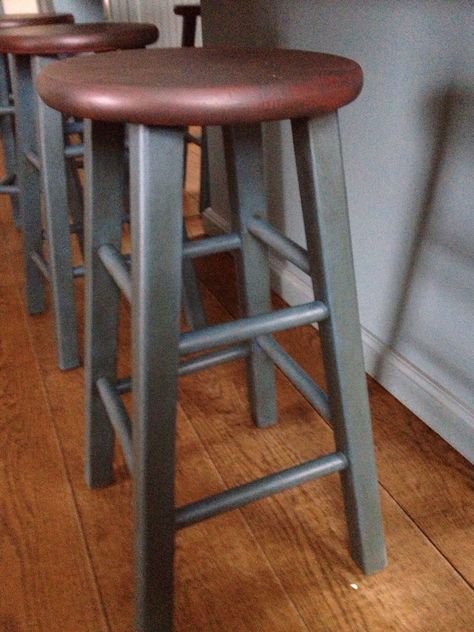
<point>75,197</point>
<point>104,146</point>
<point>323,196</point>
<point>156,167</point>
<point>55,192</point>
<point>8,138</point>
<point>244,163</point>
<point>204,191</point>
<point>28,179</point>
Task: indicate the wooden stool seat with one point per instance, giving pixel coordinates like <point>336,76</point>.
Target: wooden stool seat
<point>34,19</point>
<point>57,39</point>
<point>201,86</point>
<point>187,10</point>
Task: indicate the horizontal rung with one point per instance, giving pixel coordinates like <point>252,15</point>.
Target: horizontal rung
<point>247,328</point>
<point>190,138</point>
<point>212,245</point>
<point>78,271</point>
<point>40,263</point>
<point>261,488</point>
<point>280,244</point>
<point>7,110</point>
<point>33,160</point>
<point>9,189</point>
<point>74,151</point>
<point>74,127</point>
<point>302,381</point>
<point>205,361</point>
<point>8,179</point>
<point>116,264</point>
<point>118,416</point>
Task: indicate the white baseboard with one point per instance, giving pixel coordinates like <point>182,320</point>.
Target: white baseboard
<point>439,409</point>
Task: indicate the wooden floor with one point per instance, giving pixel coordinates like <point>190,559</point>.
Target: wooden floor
<point>279,565</point>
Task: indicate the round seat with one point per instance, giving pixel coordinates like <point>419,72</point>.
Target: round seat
<point>15,20</point>
<point>56,39</point>
<point>207,86</point>
<point>187,10</point>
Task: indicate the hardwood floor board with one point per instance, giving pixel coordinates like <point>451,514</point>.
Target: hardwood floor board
<point>430,480</point>
<point>302,531</point>
<point>47,578</point>
<point>219,565</point>
<point>279,564</point>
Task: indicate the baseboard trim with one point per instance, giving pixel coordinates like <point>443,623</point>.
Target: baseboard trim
<point>439,409</point>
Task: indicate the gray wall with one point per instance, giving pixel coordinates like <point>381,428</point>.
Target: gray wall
<point>409,157</point>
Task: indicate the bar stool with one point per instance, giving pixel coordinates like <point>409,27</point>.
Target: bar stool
<point>43,156</point>
<point>8,185</point>
<point>190,14</point>
<point>159,93</point>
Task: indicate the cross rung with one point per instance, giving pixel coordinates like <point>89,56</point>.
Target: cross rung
<point>302,381</point>
<point>205,361</point>
<point>116,265</point>
<point>212,245</point>
<point>6,110</point>
<point>40,263</point>
<point>261,488</point>
<point>9,189</point>
<point>283,246</point>
<point>247,328</point>
<point>118,417</point>
<point>33,160</point>
<point>74,151</point>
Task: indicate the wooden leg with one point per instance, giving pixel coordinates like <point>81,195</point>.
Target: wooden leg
<point>243,154</point>
<point>55,193</point>
<point>104,146</point>
<point>323,196</point>
<point>28,180</point>
<point>156,167</point>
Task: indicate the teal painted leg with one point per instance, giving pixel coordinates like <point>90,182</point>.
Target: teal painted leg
<point>243,152</point>
<point>104,146</point>
<point>156,167</point>
<point>323,196</point>
<point>28,179</point>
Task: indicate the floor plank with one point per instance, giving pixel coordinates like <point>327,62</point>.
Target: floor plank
<point>47,578</point>
<point>219,558</point>
<point>302,532</point>
<point>280,564</point>
<point>430,480</point>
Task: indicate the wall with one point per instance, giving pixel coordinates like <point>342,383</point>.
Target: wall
<point>409,156</point>
<point>19,6</point>
<point>159,12</point>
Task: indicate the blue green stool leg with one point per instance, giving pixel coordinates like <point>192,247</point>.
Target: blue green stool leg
<point>156,163</point>
<point>244,163</point>
<point>103,225</point>
<point>28,181</point>
<point>323,196</point>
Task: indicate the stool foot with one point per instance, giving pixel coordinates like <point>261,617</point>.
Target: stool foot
<point>244,162</point>
<point>55,193</point>
<point>323,196</point>
<point>28,181</point>
<point>156,167</point>
<point>104,186</point>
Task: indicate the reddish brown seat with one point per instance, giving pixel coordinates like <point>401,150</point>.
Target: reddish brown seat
<point>188,10</point>
<point>210,86</point>
<point>34,19</point>
<point>55,39</point>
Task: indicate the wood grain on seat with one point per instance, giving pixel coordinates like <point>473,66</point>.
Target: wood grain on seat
<point>15,20</point>
<point>54,39</point>
<point>200,86</point>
